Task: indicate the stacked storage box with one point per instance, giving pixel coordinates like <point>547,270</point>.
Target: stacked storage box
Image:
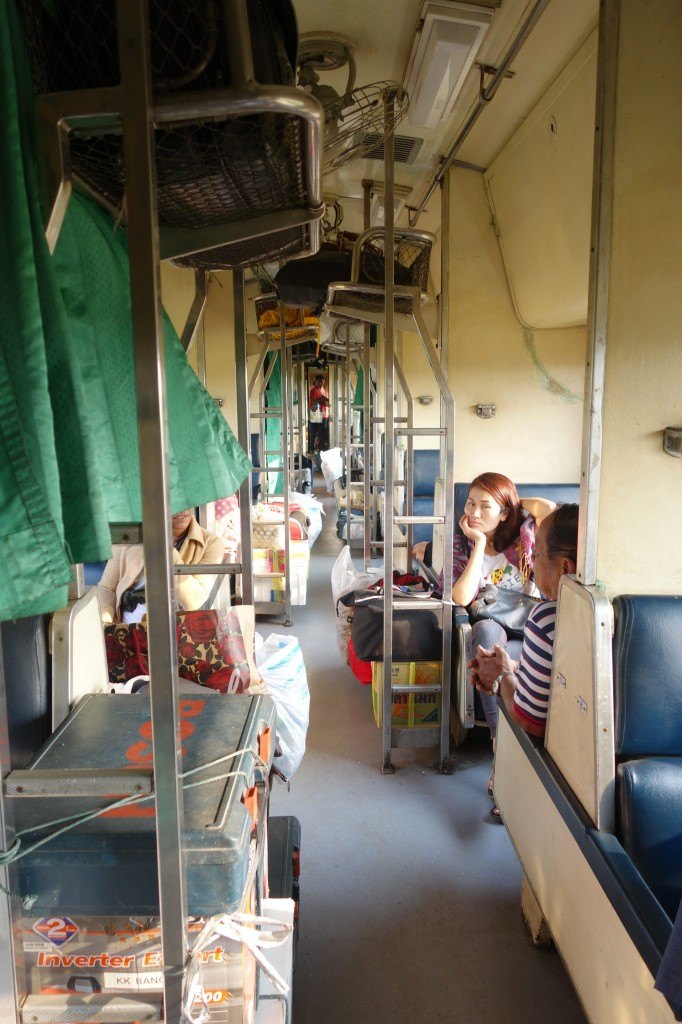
<point>271,560</point>
<point>93,931</point>
<point>409,711</point>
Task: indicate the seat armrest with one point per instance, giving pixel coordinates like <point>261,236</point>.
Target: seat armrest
<point>460,614</point>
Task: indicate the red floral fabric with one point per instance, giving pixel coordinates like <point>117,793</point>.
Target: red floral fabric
<point>211,651</point>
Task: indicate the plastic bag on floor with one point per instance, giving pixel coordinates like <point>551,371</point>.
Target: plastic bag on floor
<point>345,579</point>
<point>279,660</point>
<point>332,466</point>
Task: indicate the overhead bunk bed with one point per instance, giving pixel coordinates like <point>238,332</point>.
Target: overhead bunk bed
<point>200,145</point>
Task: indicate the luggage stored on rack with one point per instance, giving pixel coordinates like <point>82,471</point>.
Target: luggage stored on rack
<point>210,171</point>
<point>416,636</point>
<point>108,866</point>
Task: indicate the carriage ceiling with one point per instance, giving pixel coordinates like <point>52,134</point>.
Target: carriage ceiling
<point>382,32</point>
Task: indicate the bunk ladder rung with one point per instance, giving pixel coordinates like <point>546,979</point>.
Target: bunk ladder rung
<point>420,431</point>
<point>419,520</point>
<point>81,782</point>
<point>98,1006</point>
<point>416,604</point>
<point>382,419</point>
<point>412,688</point>
<point>268,469</point>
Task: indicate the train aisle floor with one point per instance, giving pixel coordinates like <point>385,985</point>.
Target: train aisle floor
<point>410,891</point>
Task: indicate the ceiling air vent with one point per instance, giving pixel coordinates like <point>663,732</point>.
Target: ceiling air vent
<point>406,148</point>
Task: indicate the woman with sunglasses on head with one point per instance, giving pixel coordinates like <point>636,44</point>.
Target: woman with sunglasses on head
<point>495,546</point>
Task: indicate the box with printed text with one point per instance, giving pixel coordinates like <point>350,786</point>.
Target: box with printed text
<point>409,710</point>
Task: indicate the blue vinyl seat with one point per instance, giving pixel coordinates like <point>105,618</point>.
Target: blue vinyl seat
<point>647,675</point>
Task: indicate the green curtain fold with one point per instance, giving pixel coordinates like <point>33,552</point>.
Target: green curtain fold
<point>69,457</point>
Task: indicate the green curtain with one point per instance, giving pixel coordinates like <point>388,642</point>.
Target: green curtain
<point>68,437</point>
<point>359,397</point>
<point>273,427</point>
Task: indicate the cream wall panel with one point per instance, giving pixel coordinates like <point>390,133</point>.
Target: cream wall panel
<point>536,379</point>
<point>639,548</point>
<point>611,979</point>
<point>540,189</point>
<point>177,294</point>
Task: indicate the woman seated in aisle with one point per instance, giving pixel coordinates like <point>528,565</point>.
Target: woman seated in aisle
<point>121,591</point>
<point>524,684</point>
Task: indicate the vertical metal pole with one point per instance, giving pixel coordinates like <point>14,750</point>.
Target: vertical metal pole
<point>389,442</point>
<point>349,427</point>
<point>301,422</point>
<point>409,457</point>
<point>150,384</point>
<point>598,294</point>
<point>368,450</point>
<point>286,477</point>
<point>243,433</point>
<point>12,984</point>
<point>448,532</point>
<point>447,471</point>
<point>367,453</point>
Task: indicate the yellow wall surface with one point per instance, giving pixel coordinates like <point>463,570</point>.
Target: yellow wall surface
<point>535,378</point>
<point>177,292</point>
<point>540,189</point>
<point>639,548</point>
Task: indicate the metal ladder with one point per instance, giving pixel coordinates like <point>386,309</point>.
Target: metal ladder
<point>133,108</point>
<point>390,304</point>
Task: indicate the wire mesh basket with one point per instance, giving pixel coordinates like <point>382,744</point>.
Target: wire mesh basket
<point>300,321</point>
<point>210,171</point>
<point>411,258</point>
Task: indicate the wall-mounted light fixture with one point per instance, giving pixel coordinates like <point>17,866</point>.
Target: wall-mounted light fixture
<point>672,441</point>
<point>425,399</point>
<point>445,47</point>
<point>486,410</point>
<point>377,211</point>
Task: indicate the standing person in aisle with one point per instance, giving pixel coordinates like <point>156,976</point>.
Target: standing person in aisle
<point>318,415</point>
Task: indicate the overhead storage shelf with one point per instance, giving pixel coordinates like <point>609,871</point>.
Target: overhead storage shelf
<point>238,161</point>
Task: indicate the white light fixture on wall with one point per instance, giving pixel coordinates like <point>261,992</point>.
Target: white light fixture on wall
<point>443,52</point>
<point>401,194</point>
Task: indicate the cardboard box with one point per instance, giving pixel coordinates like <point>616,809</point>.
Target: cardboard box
<point>409,710</point>
<point>119,956</point>
<point>269,560</point>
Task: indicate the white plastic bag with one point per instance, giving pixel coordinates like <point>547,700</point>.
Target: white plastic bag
<point>345,578</point>
<point>332,466</point>
<point>279,660</point>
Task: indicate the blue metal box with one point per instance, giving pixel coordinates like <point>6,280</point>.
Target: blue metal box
<point>108,866</point>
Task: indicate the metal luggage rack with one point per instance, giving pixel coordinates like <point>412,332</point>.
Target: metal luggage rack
<point>238,167</point>
<point>364,294</point>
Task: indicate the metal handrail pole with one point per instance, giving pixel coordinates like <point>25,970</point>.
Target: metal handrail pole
<point>12,984</point>
<point>389,149</point>
<point>243,433</point>
<point>409,457</point>
<point>286,477</point>
<point>196,310</point>
<point>348,440</point>
<point>598,291</point>
<point>150,386</point>
<point>448,404</point>
<point>259,366</point>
